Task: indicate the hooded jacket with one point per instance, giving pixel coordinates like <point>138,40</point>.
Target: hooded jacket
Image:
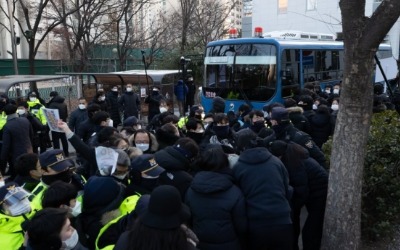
<point>58,103</point>
<point>298,119</point>
<point>176,166</point>
<point>218,210</point>
<point>321,128</point>
<point>265,184</point>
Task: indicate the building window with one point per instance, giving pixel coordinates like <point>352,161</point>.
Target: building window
<point>311,4</point>
<point>282,6</point>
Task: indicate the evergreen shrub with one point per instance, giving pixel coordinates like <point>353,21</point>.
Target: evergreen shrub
<point>381,179</point>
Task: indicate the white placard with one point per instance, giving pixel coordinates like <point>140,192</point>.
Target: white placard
<point>106,159</point>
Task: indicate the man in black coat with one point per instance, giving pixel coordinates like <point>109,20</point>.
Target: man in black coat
<point>17,138</point>
<point>57,102</point>
<point>79,115</point>
<point>88,127</point>
<point>176,160</point>
<point>285,131</point>
<point>264,182</point>
<point>113,109</point>
<point>129,102</point>
<point>154,102</point>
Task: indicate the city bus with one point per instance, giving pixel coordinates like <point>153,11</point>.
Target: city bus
<point>271,67</point>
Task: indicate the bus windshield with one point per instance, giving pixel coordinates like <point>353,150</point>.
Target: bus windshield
<point>241,71</point>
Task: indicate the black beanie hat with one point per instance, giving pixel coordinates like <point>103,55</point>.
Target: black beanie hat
<point>278,148</point>
<point>165,209</point>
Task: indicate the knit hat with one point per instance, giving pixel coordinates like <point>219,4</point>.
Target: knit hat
<point>165,209</point>
<point>278,148</point>
<point>130,121</point>
<point>102,193</point>
<point>55,160</point>
<point>279,114</point>
<point>147,164</point>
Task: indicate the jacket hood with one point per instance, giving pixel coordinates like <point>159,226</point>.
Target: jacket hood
<point>211,182</point>
<point>255,156</point>
<point>295,109</point>
<point>170,159</point>
<point>58,99</point>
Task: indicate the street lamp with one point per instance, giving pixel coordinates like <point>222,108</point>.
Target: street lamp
<point>115,53</point>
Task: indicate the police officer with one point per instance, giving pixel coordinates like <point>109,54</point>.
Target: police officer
<point>284,130</point>
<point>15,209</point>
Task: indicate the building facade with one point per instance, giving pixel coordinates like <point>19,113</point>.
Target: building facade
<point>319,16</point>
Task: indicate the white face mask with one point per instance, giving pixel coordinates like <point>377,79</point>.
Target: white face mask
<point>71,242</point>
<point>143,146</point>
<point>22,207</point>
<point>335,107</point>
<point>163,110</point>
<point>328,91</point>
<point>336,91</point>
<point>32,99</point>
<point>129,89</point>
<point>111,123</point>
<point>121,176</point>
<point>82,106</point>
<point>102,98</point>
<point>115,90</point>
<point>77,209</point>
<point>314,106</point>
<point>21,111</point>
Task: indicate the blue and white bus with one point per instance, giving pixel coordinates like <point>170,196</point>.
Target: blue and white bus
<point>262,70</point>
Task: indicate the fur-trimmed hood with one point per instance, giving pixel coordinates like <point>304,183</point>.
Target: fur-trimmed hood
<point>295,109</point>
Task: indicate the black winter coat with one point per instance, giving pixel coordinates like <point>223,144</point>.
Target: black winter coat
<point>321,128</point>
<point>218,210</point>
<point>86,129</point>
<point>264,182</point>
<point>17,138</point>
<point>129,103</point>
<point>308,179</point>
<point>112,100</point>
<point>77,117</point>
<point>154,104</point>
<point>58,103</point>
<point>298,119</point>
<point>176,166</point>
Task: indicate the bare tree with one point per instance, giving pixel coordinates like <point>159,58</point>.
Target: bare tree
<point>38,19</point>
<point>188,8</point>
<point>362,36</point>
<point>208,21</point>
<point>86,28</point>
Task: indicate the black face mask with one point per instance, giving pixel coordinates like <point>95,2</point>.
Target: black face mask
<point>257,126</point>
<point>197,137</point>
<point>221,131</point>
<point>278,129</point>
<point>63,176</point>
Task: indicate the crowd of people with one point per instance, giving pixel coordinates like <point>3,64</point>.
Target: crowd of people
<point>202,181</point>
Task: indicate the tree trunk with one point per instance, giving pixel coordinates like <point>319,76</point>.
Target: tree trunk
<point>343,211</point>
<point>362,35</point>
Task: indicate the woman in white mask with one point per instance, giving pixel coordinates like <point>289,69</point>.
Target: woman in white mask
<point>51,228</point>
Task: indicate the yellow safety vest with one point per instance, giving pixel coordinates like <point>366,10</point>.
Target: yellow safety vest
<point>127,206</point>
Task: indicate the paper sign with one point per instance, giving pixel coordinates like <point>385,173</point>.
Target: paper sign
<point>142,92</point>
<point>52,117</point>
<point>106,159</point>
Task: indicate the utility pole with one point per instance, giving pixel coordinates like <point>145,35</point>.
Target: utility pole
<point>13,44</point>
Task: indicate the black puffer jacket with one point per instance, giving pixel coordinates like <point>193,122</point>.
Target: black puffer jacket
<point>176,166</point>
<point>218,210</point>
<point>321,128</point>
<point>298,119</point>
<point>113,110</point>
<point>265,184</point>
<point>58,103</point>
